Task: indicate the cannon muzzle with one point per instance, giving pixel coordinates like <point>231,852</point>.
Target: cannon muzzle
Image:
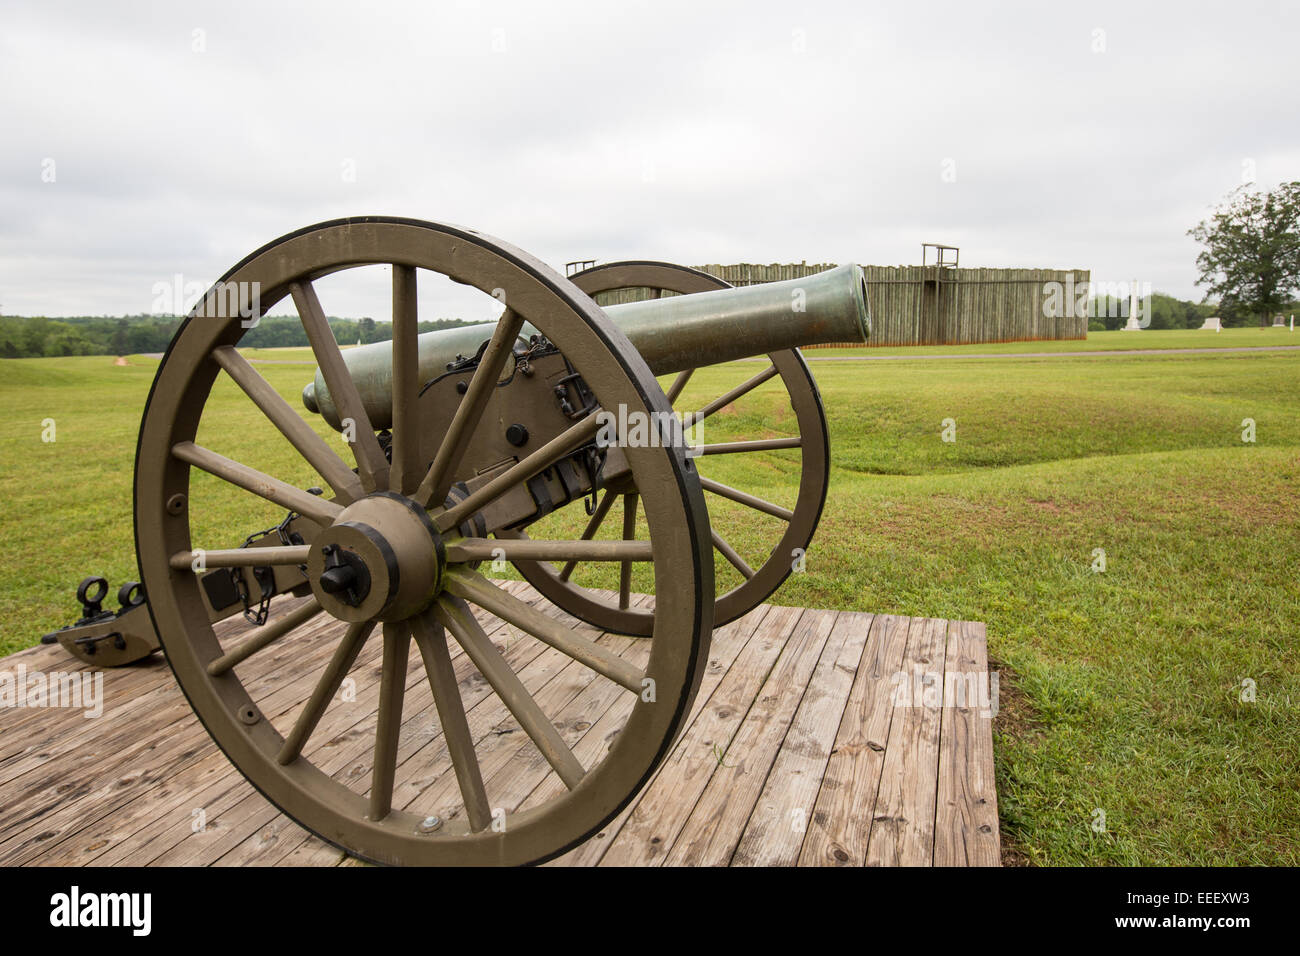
<point>671,333</point>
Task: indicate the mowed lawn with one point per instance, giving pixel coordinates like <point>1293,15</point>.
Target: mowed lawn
<point>1122,690</point>
<point>1143,339</point>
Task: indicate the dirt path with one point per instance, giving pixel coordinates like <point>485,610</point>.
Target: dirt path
<point>811,355</point>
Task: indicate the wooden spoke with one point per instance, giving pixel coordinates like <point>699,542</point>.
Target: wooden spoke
<point>392,688</point>
<point>758,504</point>
<point>473,587</point>
<point>629,532</point>
<point>406,470</point>
<point>433,489</point>
<point>728,552</point>
<point>456,616</point>
<point>432,641</point>
<point>264,486</point>
<point>527,549</point>
<point>345,655</point>
<point>722,401</point>
<point>263,636</point>
<point>544,457</point>
<point>239,558</point>
<point>593,525</point>
<point>762,444</point>
<point>679,383</point>
<point>371,462</point>
<point>310,445</point>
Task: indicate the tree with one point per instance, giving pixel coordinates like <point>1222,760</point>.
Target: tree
<point>1251,260</point>
<point>34,334</point>
<point>118,343</point>
<point>64,339</point>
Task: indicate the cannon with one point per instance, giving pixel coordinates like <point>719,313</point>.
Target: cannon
<point>510,444</point>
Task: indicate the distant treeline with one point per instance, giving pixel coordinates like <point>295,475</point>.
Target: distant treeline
<point>1109,313</point>
<point>133,334</point>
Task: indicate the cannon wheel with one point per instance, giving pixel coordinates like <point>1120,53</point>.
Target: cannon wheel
<point>801,521</point>
<point>429,586</point>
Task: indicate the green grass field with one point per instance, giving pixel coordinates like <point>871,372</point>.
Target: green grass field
<point>1096,342</point>
<point>1121,689</point>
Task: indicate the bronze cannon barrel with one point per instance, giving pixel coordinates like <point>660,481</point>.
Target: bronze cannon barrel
<point>672,333</point>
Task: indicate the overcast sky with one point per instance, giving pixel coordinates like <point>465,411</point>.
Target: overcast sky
<point>181,136</point>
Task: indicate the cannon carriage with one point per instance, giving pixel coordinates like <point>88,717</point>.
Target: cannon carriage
<point>469,449</point>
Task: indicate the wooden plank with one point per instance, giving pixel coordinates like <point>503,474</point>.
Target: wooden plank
<point>713,829</point>
<point>212,788</point>
<point>210,785</point>
<point>29,743</point>
<point>524,770</point>
<point>21,727</point>
<point>774,833</point>
<point>147,742</point>
<point>180,804</point>
<point>666,803</point>
<point>902,826</point>
<point>217,802</point>
<point>841,819</point>
<point>28,730</point>
<point>258,849</point>
<point>966,821</point>
<point>502,748</point>
<point>313,851</point>
<point>727,645</point>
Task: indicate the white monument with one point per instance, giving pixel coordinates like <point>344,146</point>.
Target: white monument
<point>1132,324</point>
<point>1279,322</point>
<point>1213,323</point>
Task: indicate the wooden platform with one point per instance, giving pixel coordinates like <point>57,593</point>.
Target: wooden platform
<point>798,751</point>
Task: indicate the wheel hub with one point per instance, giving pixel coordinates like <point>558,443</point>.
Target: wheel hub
<point>382,560</point>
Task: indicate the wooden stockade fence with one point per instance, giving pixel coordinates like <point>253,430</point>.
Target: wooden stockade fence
<point>933,305</point>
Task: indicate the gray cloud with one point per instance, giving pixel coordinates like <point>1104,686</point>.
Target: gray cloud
<point>690,132</point>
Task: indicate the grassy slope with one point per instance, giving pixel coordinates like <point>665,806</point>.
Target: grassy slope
<point>1124,685</point>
